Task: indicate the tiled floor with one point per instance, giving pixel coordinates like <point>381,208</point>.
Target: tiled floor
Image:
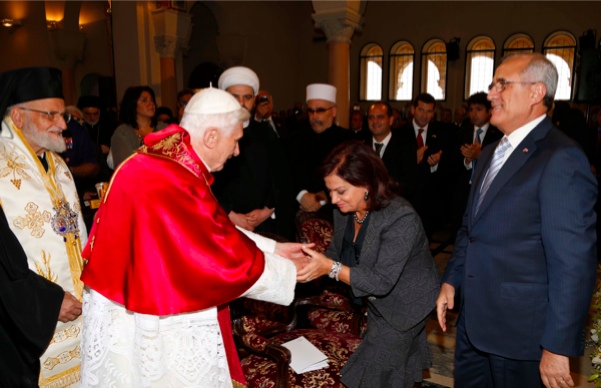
<point>442,345</point>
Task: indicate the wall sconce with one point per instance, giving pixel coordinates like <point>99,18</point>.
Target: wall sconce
<point>51,24</point>
<point>10,23</point>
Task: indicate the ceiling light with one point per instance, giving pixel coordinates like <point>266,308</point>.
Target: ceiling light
<point>8,23</point>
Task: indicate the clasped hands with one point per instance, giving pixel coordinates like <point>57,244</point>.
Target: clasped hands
<point>309,263</point>
<point>250,220</point>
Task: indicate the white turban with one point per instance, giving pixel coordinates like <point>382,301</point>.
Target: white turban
<point>321,92</point>
<point>239,75</point>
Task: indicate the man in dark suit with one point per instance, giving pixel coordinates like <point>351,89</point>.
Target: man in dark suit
<point>359,131</point>
<point>525,255</point>
<point>429,142</point>
<point>398,157</point>
<point>264,112</point>
<point>470,140</point>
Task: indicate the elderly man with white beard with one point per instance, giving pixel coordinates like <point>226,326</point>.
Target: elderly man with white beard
<point>40,289</point>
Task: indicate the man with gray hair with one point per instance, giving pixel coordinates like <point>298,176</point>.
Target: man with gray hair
<point>525,255</point>
<point>165,261</point>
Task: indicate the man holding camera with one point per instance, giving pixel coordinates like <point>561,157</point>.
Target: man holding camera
<point>264,112</point>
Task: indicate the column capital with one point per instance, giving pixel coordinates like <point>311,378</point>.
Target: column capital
<point>166,46</point>
<point>171,31</point>
<point>338,19</point>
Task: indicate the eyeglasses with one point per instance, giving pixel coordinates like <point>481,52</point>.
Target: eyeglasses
<point>52,116</point>
<point>501,84</point>
<point>319,110</point>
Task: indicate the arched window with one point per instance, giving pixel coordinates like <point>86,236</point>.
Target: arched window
<point>560,48</point>
<point>371,72</point>
<point>434,68</point>
<point>402,57</point>
<point>479,65</point>
<point>518,43</point>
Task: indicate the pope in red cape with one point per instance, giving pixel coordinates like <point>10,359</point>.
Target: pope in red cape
<point>164,260</point>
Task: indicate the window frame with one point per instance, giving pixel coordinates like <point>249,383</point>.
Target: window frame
<point>423,88</point>
<point>393,78</point>
<point>363,70</point>
<point>468,51</point>
<point>572,66</point>
<point>513,37</point>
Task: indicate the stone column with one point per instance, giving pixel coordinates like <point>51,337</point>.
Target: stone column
<point>171,33</point>
<point>339,20</point>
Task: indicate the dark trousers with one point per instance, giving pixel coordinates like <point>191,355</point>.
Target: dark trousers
<point>477,369</point>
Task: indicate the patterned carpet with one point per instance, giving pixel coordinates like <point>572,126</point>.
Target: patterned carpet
<point>442,345</point>
<point>430,384</point>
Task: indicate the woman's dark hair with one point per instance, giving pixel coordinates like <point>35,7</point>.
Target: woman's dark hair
<point>359,165</point>
<point>129,104</point>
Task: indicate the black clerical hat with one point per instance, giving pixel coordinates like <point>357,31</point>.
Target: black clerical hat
<point>89,101</point>
<point>32,83</point>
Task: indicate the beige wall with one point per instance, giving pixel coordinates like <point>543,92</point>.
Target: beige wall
<point>273,38</point>
<point>278,38</point>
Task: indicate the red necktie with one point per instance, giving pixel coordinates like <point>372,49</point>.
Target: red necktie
<point>420,139</point>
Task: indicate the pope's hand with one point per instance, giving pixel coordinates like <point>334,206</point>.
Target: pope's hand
<point>317,266</point>
<point>292,250</point>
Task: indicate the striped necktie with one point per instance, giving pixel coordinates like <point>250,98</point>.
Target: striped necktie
<point>493,170</point>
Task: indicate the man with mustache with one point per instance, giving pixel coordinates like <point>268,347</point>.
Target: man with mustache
<point>308,147</point>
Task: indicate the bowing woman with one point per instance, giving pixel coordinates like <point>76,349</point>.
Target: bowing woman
<point>380,249</point>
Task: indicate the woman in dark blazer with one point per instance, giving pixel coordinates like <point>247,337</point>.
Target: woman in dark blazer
<point>379,248</point>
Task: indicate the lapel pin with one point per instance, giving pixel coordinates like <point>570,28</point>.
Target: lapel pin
<point>434,136</point>
<point>525,150</point>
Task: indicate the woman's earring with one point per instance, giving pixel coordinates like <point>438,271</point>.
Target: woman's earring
<point>366,197</point>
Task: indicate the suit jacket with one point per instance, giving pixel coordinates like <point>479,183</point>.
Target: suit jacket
<point>438,138</point>
<point>465,135</point>
<point>396,272</point>
<point>399,159</point>
<point>526,262</point>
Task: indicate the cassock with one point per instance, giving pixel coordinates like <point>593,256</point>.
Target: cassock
<point>163,262</point>
<point>307,150</point>
<point>29,307</point>
<point>43,211</point>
